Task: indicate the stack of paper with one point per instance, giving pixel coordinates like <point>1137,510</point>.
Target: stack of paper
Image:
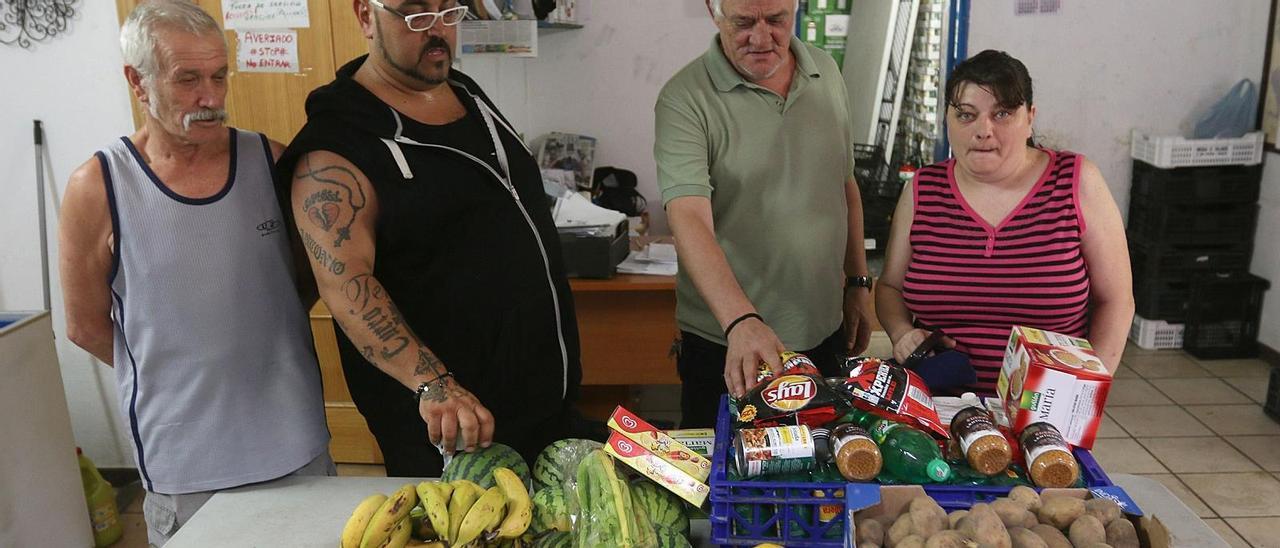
<point>655,258</point>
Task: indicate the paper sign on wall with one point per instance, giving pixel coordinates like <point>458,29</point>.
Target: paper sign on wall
<point>267,51</point>
<point>265,14</point>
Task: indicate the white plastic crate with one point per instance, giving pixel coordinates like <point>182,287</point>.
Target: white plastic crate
<point>1155,334</point>
<point>1170,152</point>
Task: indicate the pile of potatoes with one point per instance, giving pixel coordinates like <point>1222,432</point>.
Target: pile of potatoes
<point>1022,520</point>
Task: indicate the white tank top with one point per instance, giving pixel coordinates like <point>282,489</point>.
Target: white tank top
<point>214,361</point>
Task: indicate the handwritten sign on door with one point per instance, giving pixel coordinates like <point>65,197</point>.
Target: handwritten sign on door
<point>265,14</point>
<point>267,51</point>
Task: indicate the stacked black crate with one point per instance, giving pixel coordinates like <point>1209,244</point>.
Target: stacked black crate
<point>879,188</point>
<point>1190,242</point>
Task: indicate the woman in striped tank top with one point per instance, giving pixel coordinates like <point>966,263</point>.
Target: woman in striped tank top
<point>1005,233</point>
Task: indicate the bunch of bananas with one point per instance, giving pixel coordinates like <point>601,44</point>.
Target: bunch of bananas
<point>443,515</point>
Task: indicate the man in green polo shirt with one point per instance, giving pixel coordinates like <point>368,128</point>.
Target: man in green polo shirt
<point>755,163</point>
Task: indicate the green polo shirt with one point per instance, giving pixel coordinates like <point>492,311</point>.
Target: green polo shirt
<point>775,171</point>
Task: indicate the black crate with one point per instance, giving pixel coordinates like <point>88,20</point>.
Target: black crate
<point>1272,407</point>
<point>1162,299</point>
<point>1223,313</point>
<point>873,173</point>
<point>1196,185</point>
<point>1193,224</point>
<point>1181,261</point>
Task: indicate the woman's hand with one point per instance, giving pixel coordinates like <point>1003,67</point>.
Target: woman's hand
<point>908,342</point>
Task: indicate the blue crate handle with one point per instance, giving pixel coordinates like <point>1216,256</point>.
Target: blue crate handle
<point>787,525</point>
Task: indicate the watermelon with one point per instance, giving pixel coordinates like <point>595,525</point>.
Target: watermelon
<point>554,539</point>
<point>478,465</point>
<point>550,511</point>
<point>549,468</point>
<point>663,507</point>
<point>672,539</point>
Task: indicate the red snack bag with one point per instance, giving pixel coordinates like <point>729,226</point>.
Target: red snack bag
<point>793,363</point>
<point>893,392</point>
<point>798,396</point>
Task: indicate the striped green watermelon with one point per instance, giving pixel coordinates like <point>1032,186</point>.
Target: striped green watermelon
<point>478,465</point>
<point>550,511</point>
<point>554,539</point>
<point>663,507</point>
<point>548,469</point>
<point>672,539</point>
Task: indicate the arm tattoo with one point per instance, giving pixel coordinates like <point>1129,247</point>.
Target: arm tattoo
<point>322,257</point>
<point>335,207</point>
<point>370,302</point>
<point>428,363</point>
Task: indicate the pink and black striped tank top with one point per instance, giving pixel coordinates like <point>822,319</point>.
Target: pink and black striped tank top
<point>976,281</point>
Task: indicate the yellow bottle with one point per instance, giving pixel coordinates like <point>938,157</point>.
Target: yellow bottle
<point>101,499</point>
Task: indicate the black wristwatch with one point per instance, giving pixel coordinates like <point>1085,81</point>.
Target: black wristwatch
<point>858,281</point>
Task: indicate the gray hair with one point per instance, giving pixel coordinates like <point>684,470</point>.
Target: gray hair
<point>717,10</point>
<point>138,34</point>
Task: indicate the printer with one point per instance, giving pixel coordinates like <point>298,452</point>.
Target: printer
<point>593,239</point>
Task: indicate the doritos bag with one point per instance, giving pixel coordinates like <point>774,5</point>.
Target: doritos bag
<point>893,392</point>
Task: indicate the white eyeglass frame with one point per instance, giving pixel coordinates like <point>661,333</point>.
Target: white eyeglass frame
<point>435,16</point>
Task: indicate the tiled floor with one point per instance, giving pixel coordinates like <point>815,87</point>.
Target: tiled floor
<point>1198,428</point>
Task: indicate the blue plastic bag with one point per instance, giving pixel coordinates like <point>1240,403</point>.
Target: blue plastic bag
<point>1232,116</point>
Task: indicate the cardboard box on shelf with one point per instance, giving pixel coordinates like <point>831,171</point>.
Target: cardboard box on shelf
<point>1054,378</point>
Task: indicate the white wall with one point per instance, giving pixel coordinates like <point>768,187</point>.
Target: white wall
<point>1102,67</point>
<point>603,80</point>
<point>75,85</point>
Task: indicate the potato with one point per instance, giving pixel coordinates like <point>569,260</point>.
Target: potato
<point>1052,537</point>
<point>1061,511</point>
<point>868,545</point>
<point>1011,512</point>
<point>911,541</point>
<point>984,526</point>
<point>1087,530</point>
<point>901,529</point>
<point>953,517</point>
<point>927,518</point>
<point>1026,496</point>
<point>1096,545</point>
<point>1029,519</point>
<point>1104,509</point>
<point>1024,538</point>
<point>869,531</point>
<point>1121,534</point>
<point>948,539</point>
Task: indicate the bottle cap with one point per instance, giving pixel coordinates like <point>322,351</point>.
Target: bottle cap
<point>938,470</point>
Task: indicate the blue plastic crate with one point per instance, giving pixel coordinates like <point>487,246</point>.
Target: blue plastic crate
<point>746,513</point>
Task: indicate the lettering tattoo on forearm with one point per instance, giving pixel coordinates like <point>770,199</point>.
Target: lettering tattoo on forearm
<point>322,257</point>
<point>370,302</point>
<point>333,209</point>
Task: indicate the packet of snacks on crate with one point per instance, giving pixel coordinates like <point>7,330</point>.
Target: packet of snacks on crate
<point>798,396</point>
<point>893,392</point>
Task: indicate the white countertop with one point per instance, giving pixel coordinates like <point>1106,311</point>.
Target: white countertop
<point>311,511</point>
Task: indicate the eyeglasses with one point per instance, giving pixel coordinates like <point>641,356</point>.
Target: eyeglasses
<point>419,22</point>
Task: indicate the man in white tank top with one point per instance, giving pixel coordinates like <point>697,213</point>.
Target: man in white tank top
<point>176,271</point>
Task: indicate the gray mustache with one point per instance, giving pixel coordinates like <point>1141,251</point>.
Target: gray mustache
<point>202,115</point>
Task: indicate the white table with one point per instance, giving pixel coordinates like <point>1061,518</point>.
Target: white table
<point>310,511</point>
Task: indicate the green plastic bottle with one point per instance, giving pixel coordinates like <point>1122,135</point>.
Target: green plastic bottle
<point>104,517</point>
<point>910,455</point>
